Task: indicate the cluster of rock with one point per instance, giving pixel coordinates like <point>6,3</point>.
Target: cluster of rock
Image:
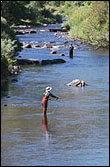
<point>28,45</point>
<point>58,29</point>
<point>53,61</point>
<point>78,83</point>
<point>47,45</point>
<point>39,62</point>
<point>26,31</point>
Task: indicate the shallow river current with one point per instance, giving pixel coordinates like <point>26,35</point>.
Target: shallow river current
<point>77,129</point>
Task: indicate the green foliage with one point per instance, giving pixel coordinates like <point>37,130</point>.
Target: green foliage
<point>9,47</point>
<point>4,68</point>
<point>55,3</point>
<point>89,21</point>
<point>29,12</point>
<point>87,3</point>
<point>13,11</point>
<point>6,30</point>
<point>7,52</point>
<point>79,3</point>
<point>69,4</point>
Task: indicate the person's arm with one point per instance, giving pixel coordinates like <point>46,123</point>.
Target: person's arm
<point>53,96</point>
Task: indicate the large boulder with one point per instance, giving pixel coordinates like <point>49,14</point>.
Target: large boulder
<point>54,61</point>
<point>78,83</point>
<point>38,62</point>
<point>28,61</point>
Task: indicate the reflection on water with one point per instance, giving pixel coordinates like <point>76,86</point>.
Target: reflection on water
<point>45,127</point>
<point>75,130</point>
<point>44,124</point>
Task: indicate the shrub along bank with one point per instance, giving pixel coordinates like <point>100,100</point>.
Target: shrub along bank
<point>9,47</point>
<point>88,21</point>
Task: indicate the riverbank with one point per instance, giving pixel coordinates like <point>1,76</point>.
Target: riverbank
<point>88,23</point>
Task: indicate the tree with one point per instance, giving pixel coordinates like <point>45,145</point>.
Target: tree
<point>13,11</point>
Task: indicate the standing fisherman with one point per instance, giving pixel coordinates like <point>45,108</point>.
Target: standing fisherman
<point>45,98</point>
<point>71,51</point>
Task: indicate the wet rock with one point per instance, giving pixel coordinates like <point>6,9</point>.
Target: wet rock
<point>27,31</point>
<point>54,61</point>
<point>32,31</point>
<point>78,83</point>
<point>62,54</point>
<point>23,32</point>
<point>47,46</point>
<point>55,34</point>
<point>19,32</point>
<point>65,42</point>
<point>26,46</point>
<point>36,46</point>
<point>58,29</point>
<point>28,61</point>
<point>53,52</point>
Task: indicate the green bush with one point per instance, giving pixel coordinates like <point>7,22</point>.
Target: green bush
<point>6,31</point>
<point>9,48</point>
<point>88,21</point>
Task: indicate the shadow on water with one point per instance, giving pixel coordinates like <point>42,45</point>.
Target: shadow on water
<point>4,88</point>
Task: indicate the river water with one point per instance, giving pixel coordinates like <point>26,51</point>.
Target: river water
<point>76,132</point>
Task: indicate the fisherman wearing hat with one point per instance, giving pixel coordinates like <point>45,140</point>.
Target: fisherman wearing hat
<point>45,98</point>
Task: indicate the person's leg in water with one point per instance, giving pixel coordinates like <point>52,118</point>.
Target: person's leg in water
<point>44,104</point>
<point>44,123</point>
<point>71,54</point>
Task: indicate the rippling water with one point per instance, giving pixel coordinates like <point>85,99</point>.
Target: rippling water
<point>76,131</point>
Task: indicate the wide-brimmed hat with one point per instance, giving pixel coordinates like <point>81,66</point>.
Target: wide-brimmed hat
<point>48,88</point>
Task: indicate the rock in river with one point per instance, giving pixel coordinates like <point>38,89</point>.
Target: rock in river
<point>78,83</point>
<point>28,61</point>
<point>53,51</point>
<point>54,61</point>
<point>39,62</point>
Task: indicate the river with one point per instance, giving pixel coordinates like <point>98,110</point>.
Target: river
<point>76,132</point>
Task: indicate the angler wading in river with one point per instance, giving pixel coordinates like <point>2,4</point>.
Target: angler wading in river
<point>71,51</point>
<point>45,98</point>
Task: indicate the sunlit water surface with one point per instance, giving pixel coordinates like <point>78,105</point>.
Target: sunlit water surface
<point>76,132</point>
